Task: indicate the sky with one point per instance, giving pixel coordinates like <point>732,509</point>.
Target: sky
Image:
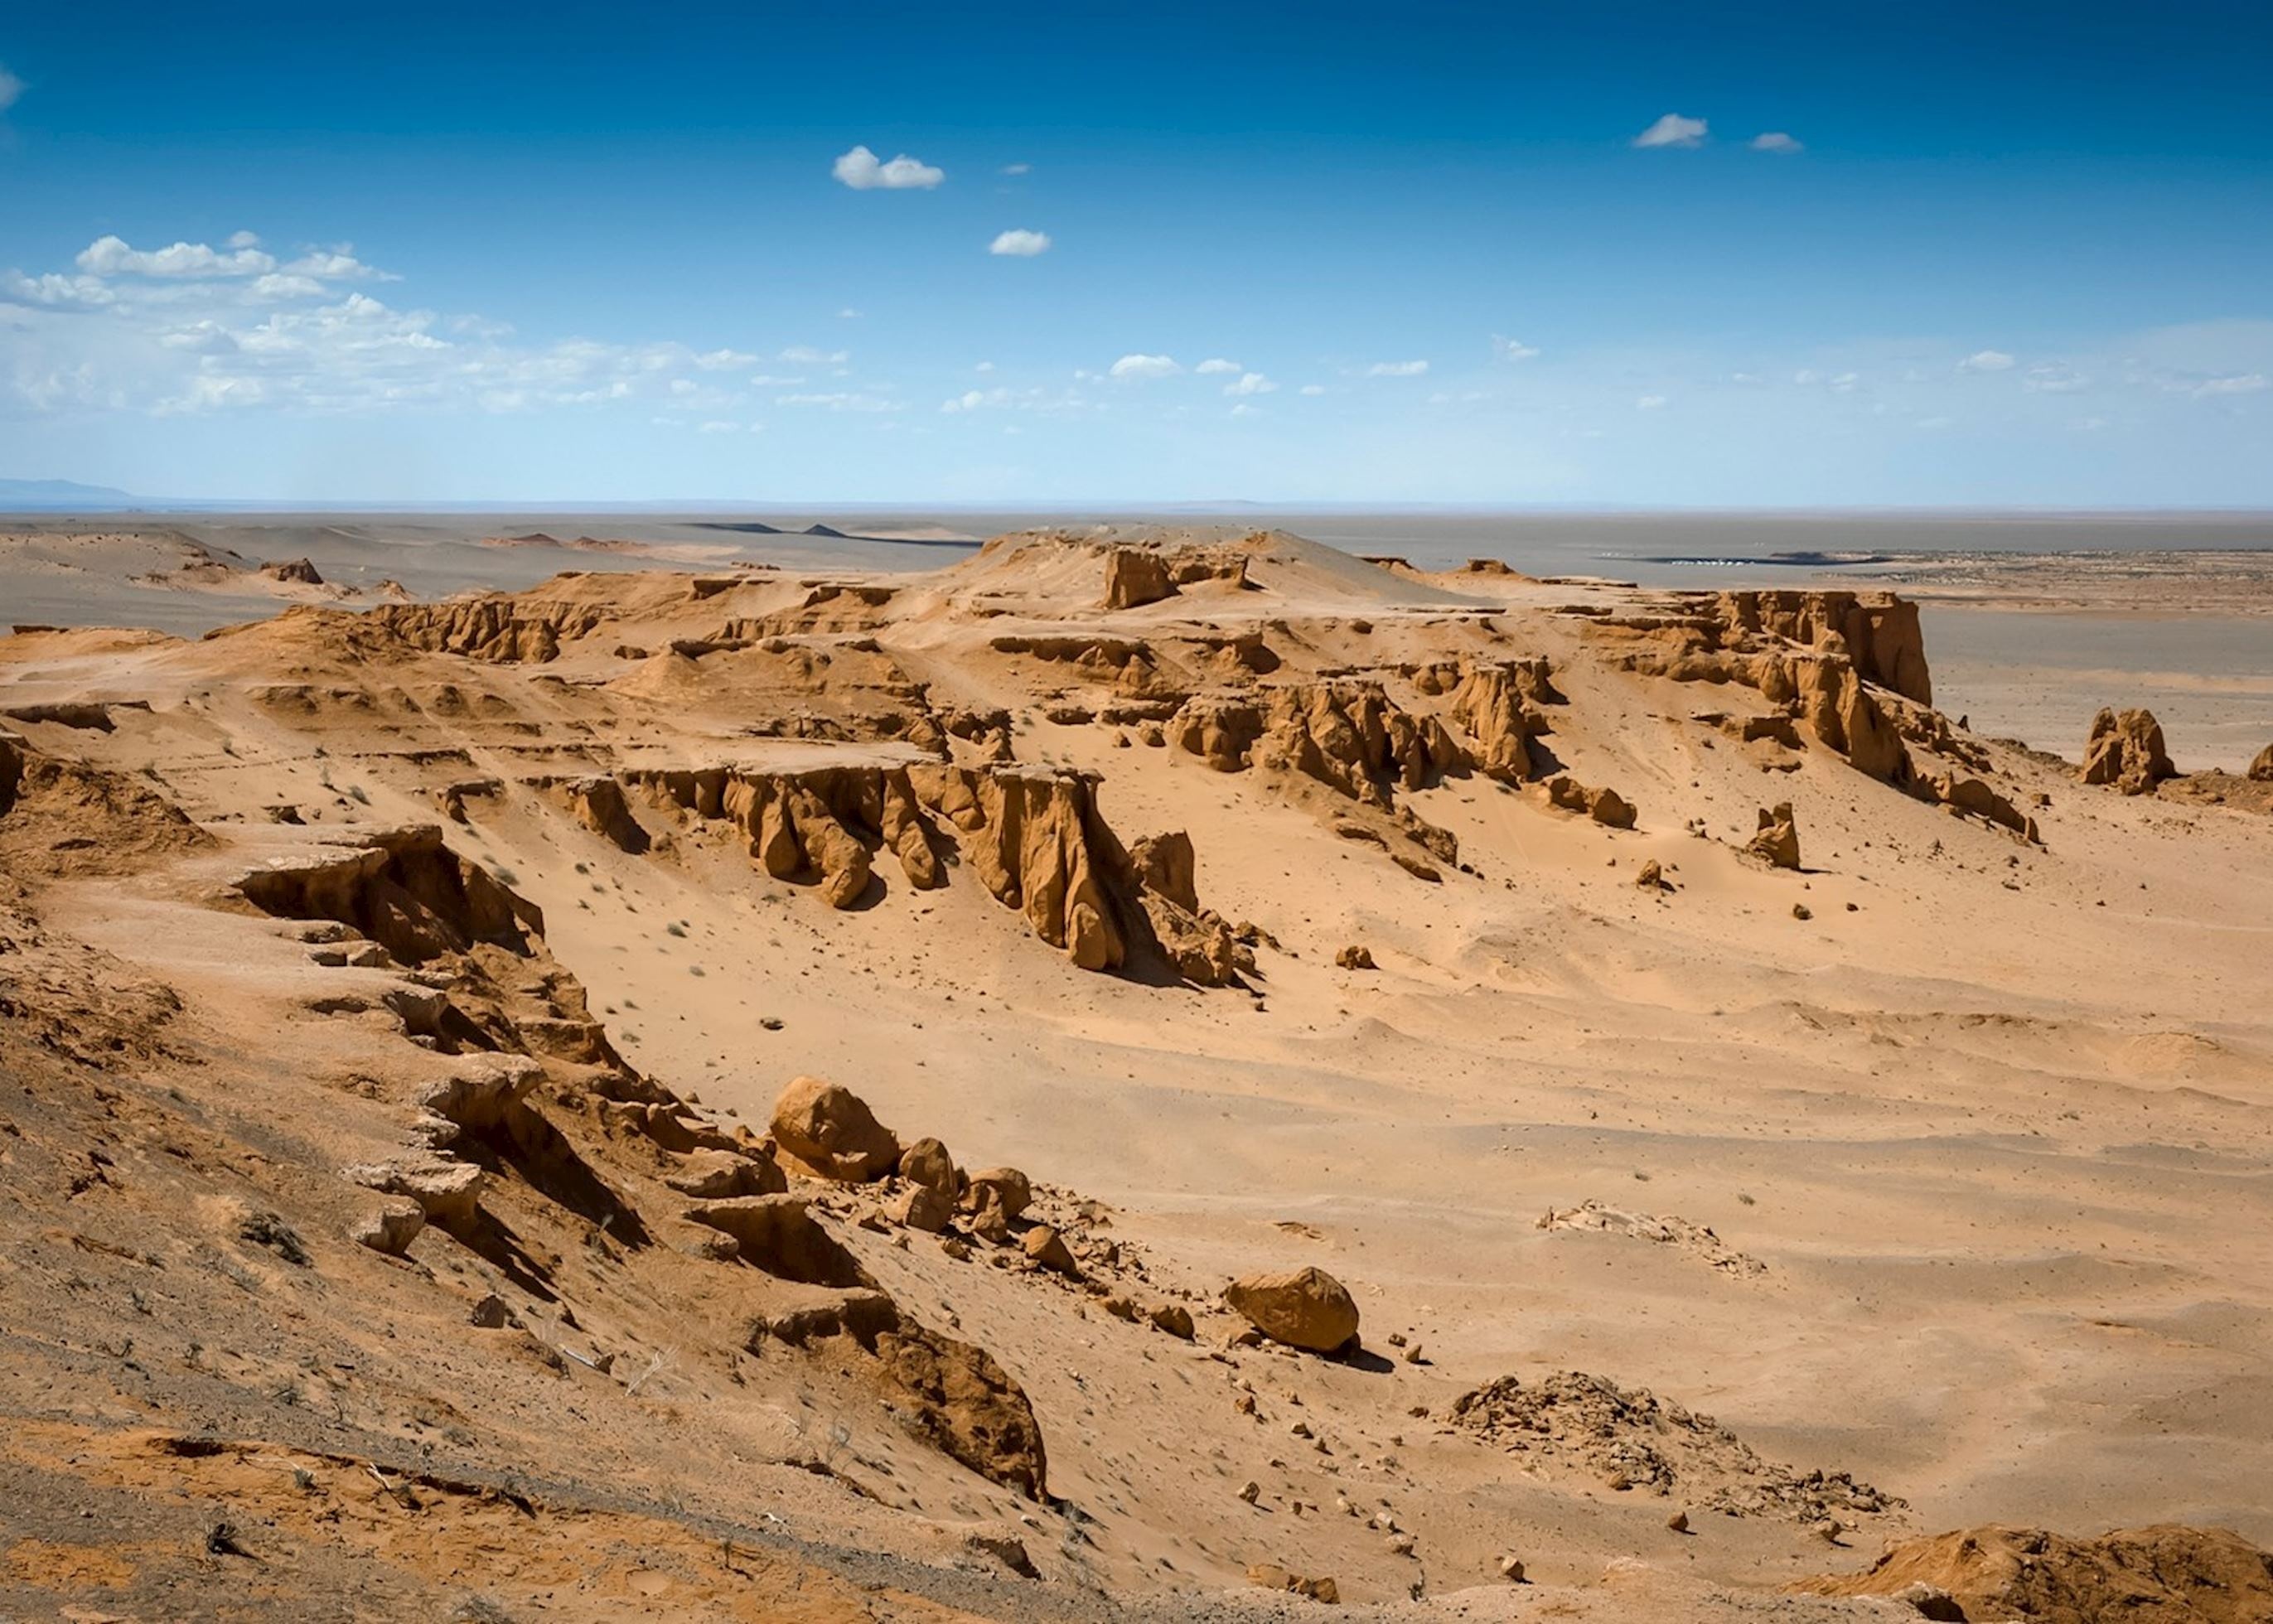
<point>1612,255</point>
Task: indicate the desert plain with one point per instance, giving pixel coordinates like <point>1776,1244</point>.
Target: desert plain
<point>1791,1114</point>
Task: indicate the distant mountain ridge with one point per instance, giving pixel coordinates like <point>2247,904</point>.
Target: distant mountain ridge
<point>61,493</point>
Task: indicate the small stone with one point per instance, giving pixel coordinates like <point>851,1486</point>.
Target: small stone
<point>1174,1319</point>
<point>491,1314</point>
<point>1046,1246</point>
<point>1678,1522</point>
<point>1800,910</point>
<point>1510,1570</point>
<point>1251,1491</point>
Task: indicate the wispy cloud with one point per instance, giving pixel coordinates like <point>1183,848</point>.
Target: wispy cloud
<point>1986,360</point>
<point>1511,349</point>
<point>1146,366</point>
<point>1020,245</point>
<point>10,89</point>
<point>1216,365</point>
<point>806,356</point>
<point>2238,383</point>
<point>1397,368</point>
<point>1776,141</point>
<point>863,171</point>
<point>1017,168</point>
<point>1674,130</point>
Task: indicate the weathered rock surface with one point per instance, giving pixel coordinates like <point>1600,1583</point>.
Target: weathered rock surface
<point>2168,1573</point>
<point>832,1131</point>
<point>2261,770</point>
<point>1778,837</point>
<point>1135,576</point>
<point>2124,752</point>
<point>1303,1308</point>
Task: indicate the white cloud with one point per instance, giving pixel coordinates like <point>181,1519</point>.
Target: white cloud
<point>1397,368</point>
<point>1649,403</point>
<point>1673,130</point>
<point>721,360</point>
<point>1020,245</point>
<point>806,356</point>
<point>1215,364</point>
<point>1144,366</point>
<point>719,426</point>
<point>10,88</point>
<point>56,289</point>
<point>2242,383</point>
<point>278,285</point>
<point>769,381</point>
<point>1017,168</point>
<point>1986,360</point>
<point>331,265</point>
<point>984,366</point>
<point>1250,383</point>
<point>848,314</point>
<point>844,401</point>
<point>863,171</point>
<point>111,256</point>
<point>2049,380</point>
<point>1244,410</point>
<point>1311,389</point>
<point>1511,349</point>
<point>1775,141</point>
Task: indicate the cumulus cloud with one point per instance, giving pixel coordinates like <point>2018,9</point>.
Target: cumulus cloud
<point>111,256</point>
<point>1397,368</point>
<point>1250,383</point>
<point>1511,349</point>
<point>191,328</point>
<point>863,171</point>
<point>1146,366</point>
<point>1215,364</point>
<point>1986,360</point>
<point>1775,141</point>
<point>1673,130</point>
<point>1020,245</point>
<point>10,88</point>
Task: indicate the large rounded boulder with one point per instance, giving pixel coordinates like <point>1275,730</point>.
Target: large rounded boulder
<point>1303,1308</point>
<point>832,1131</point>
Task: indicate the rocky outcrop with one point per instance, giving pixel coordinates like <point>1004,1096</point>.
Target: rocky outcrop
<point>1199,942</point>
<point>2167,1572</point>
<point>498,627</point>
<point>597,802</point>
<point>1605,806</point>
<point>298,571</point>
<point>1499,706</point>
<point>1829,693</point>
<point>1967,796</point>
<point>1034,839</point>
<point>1877,632</point>
<point>2261,770</point>
<point>817,824</point>
<point>1777,839</point>
<point>2124,752</point>
<point>832,1131</point>
<point>1135,576</point>
<point>1302,1309</point>
<point>404,889</point>
<point>1350,735</point>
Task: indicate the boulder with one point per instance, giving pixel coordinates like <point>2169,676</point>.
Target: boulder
<point>2261,768</point>
<point>1004,1189</point>
<point>2125,752</point>
<point>831,1130</point>
<point>926,1163</point>
<point>1046,1246</point>
<point>718,1175</point>
<point>1271,1576</point>
<point>1355,957</point>
<point>920,1207</point>
<point>1778,837</point>
<point>392,1227</point>
<point>1174,1319</point>
<point>447,1191</point>
<point>1303,1308</point>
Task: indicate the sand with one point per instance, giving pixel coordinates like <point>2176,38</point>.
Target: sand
<point>1957,1184</point>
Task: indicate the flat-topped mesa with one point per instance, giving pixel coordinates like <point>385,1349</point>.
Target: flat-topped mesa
<point>1877,631</point>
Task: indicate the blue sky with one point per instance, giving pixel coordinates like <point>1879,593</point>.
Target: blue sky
<point>2015,254</point>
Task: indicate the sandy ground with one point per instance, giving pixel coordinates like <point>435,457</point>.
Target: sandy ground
<point>1945,1161</point>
